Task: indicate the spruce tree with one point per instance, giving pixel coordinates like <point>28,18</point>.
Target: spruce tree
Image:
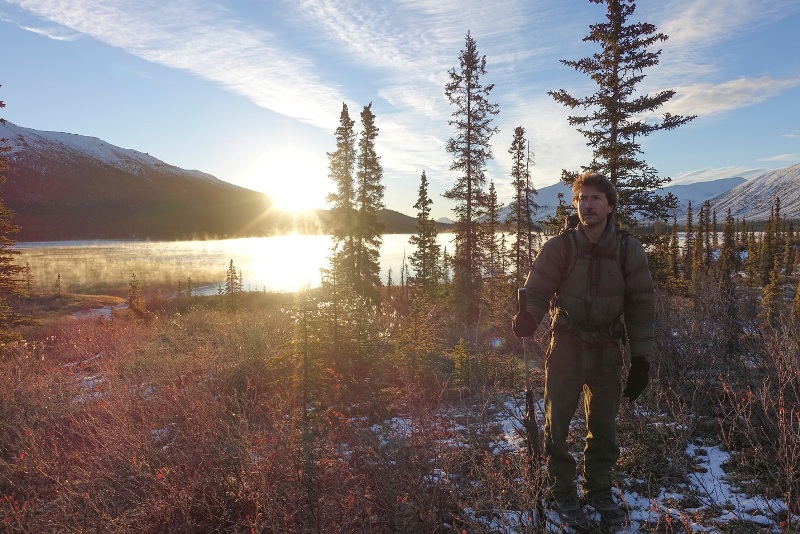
<point>496,292</point>
<point>341,165</point>
<point>708,248</point>
<point>425,259</point>
<point>369,201</point>
<point>772,301</point>
<point>135,301</point>
<point>232,283</point>
<point>728,262</point>
<point>472,120</point>
<point>688,253</point>
<point>614,123</point>
<point>10,272</point>
<point>522,208</point>
<point>766,253</point>
<point>673,264</point>
<point>789,251</point>
<point>57,286</point>
<point>698,254</point>
<point>729,305</point>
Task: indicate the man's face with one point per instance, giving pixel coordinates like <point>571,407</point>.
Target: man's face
<point>593,206</point>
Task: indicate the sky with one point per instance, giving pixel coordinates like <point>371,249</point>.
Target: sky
<point>251,90</point>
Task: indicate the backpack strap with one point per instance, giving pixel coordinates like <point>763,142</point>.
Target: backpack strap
<point>572,254</point>
<point>623,250</point>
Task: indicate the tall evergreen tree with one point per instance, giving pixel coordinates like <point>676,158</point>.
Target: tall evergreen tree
<point>766,254</point>
<point>472,120</point>
<point>233,282</point>
<point>789,251</point>
<point>772,300</point>
<point>613,124</point>
<point>425,259</point>
<point>341,165</point>
<point>673,263</point>
<point>369,194</point>
<point>522,208</point>
<point>688,252</point>
<point>728,257</point>
<point>135,299</point>
<point>729,306</point>
<point>10,288</point>
<point>494,298</point>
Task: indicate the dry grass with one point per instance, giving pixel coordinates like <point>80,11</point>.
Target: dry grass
<point>204,418</point>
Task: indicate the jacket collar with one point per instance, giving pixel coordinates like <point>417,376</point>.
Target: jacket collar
<point>606,246</point>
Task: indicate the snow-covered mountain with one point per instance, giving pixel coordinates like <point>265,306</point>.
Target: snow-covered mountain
<point>68,186</point>
<point>28,144</point>
<point>755,198</point>
<point>748,198</point>
<point>696,193</point>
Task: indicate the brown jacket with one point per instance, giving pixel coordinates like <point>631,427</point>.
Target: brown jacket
<point>596,293</point>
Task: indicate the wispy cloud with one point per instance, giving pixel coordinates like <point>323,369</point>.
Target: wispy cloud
<point>204,39</point>
<point>706,99</point>
<point>54,33</point>
<point>696,28</point>
<point>707,174</point>
<point>782,157</point>
<point>696,24</point>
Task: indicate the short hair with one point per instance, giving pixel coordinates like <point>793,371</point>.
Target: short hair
<point>597,180</point>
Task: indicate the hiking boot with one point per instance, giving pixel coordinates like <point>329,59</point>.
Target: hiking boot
<point>570,513</point>
<point>610,513</point>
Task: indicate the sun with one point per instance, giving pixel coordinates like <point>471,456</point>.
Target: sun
<point>296,181</point>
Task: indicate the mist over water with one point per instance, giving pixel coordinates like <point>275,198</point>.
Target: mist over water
<point>278,263</point>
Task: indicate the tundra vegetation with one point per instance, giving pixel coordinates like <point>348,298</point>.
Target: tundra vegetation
<point>315,411</point>
<point>366,407</point>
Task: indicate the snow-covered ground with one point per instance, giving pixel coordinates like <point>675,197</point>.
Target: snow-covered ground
<point>719,504</point>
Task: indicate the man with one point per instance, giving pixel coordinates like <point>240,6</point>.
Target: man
<point>600,286</point>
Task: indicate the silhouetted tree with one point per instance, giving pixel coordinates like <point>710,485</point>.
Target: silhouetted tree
<point>135,301</point>
<point>425,258</point>
<point>10,288</point>
<point>521,209</point>
<point>232,280</point>
<point>369,201</point>
<point>688,246</point>
<point>472,120</point>
<point>615,124</point>
<point>341,165</point>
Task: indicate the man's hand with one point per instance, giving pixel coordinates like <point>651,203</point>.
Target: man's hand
<point>523,324</point>
<point>638,377</point>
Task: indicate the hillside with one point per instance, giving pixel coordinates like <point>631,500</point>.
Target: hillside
<point>65,186</point>
<point>752,199</point>
<point>696,193</point>
<point>755,198</point>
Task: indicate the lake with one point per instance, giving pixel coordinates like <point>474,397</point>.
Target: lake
<point>279,263</point>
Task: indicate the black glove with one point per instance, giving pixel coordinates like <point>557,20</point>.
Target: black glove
<point>638,377</point>
<point>523,324</point>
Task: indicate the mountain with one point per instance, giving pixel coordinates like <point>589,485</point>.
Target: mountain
<point>755,198</point>
<point>68,186</point>
<point>65,186</point>
<point>699,192</point>
<point>747,198</point>
<point>394,222</point>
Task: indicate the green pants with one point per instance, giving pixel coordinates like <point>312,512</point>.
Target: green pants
<point>594,369</point>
